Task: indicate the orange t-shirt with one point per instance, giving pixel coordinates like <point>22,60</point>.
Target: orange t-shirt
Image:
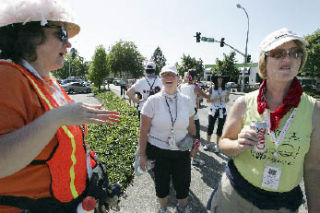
<point>20,105</point>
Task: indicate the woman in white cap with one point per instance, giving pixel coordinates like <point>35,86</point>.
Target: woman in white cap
<point>270,158</point>
<point>166,119</point>
<point>45,164</point>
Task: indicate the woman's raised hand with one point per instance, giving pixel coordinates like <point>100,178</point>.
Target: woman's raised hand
<point>77,113</point>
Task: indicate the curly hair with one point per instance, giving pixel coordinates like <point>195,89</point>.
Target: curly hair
<point>18,41</point>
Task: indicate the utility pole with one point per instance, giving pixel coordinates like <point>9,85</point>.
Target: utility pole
<point>246,50</point>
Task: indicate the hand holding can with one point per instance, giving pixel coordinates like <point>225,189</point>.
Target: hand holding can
<point>261,130</point>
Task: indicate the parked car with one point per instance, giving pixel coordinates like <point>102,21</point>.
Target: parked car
<point>76,87</point>
<point>119,82</point>
<point>66,81</point>
<point>231,84</point>
<point>203,85</point>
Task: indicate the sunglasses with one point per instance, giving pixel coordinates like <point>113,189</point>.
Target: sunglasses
<point>294,52</point>
<point>168,75</point>
<point>61,34</point>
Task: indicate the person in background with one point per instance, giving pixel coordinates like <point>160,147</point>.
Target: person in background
<point>130,83</point>
<point>146,86</point>
<point>266,167</point>
<point>191,90</point>
<point>123,87</point>
<point>166,118</point>
<point>219,96</point>
<point>45,163</point>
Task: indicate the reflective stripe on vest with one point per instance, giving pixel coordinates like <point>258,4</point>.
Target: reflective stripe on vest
<point>68,164</point>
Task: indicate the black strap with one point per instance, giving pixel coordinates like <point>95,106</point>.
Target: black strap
<point>49,205</point>
<point>152,83</point>
<point>171,116</point>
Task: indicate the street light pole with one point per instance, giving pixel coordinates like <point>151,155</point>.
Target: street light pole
<point>69,69</point>
<point>246,50</point>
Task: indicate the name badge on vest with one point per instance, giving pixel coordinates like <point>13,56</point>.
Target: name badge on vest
<point>271,177</point>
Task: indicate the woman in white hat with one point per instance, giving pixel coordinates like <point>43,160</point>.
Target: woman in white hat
<point>166,119</point>
<point>272,136</point>
<point>44,161</point>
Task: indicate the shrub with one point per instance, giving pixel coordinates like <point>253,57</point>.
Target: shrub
<point>116,145</point>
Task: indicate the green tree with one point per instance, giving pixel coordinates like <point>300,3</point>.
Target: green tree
<point>312,67</point>
<point>63,72</point>
<point>98,69</point>
<point>188,62</point>
<point>125,60</point>
<point>227,67</point>
<point>80,67</point>
<point>158,59</point>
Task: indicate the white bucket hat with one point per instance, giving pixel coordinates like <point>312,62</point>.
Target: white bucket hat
<point>279,37</point>
<point>23,11</point>
<point>169,68</point>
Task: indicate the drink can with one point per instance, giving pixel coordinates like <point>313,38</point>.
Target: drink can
<point>261,130</point>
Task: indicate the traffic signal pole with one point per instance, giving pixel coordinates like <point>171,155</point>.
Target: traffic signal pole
<point>222,42</point>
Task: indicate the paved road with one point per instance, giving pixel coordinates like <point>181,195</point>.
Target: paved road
<point>140,195</point>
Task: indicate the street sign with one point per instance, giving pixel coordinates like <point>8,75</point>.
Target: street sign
<point>206,39</point>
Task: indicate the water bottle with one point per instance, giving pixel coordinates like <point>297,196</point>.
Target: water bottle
<point>137,169</point>
<point>87,205</point>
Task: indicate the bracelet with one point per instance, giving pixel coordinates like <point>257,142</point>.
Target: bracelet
<point>196,144</point>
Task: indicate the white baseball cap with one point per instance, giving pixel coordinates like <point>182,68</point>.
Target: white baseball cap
<point>169,68</point>
<point>150,66</point>
<point>279,37</point>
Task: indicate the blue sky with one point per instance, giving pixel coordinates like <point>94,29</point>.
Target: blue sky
<point>171,25</point>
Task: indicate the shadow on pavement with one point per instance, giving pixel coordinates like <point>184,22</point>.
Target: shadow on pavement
<point>212,170</point>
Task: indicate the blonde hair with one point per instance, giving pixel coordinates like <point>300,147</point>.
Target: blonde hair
<point>263,60</point>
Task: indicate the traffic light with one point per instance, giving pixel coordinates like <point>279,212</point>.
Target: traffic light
<point>222,42</point>
<point>198,37</point>
<point>248,58</point>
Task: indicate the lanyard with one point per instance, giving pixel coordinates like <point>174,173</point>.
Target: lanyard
<point>171,117</point>
<point>277,141</point>
<point>151,85</point>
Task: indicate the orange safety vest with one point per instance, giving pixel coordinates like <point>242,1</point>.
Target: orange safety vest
<point>67,166</point>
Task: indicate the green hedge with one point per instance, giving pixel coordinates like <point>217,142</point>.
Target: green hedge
<point>116,145</point>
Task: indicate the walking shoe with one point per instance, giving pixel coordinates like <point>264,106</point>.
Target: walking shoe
<point>163,210</point>
<point>185,210</point>
<point>216,149</point>
<point>198,161</point>
<point>207,147</point>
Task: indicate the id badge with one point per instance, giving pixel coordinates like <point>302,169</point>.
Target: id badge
<point>171,138</point>
<point>271,177</point>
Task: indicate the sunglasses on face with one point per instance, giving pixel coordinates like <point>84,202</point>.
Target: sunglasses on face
<point>294,52</point>
<point>168,75</point>
<point>61,34</point>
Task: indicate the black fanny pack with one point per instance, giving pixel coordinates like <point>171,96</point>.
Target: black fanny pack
<point>261,198</point>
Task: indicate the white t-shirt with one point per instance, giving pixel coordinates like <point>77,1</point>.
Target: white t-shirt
<point>157,109</point>
<point>219,103</point>
<point>188,90</point>
<point>143,86</point>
